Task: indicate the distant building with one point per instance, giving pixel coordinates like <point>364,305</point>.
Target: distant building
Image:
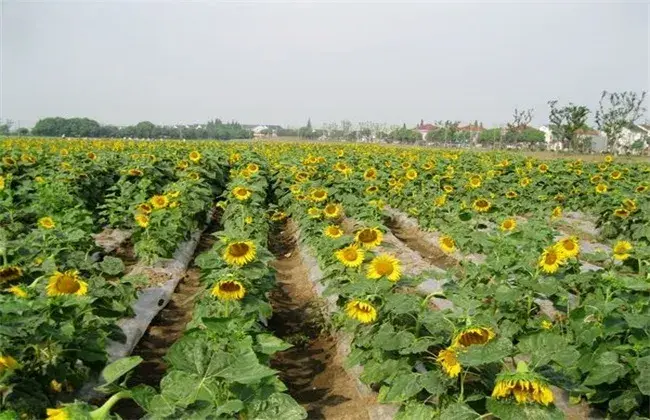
<point>424,129</point>
<point>262,130</point>
<point>474,130</point>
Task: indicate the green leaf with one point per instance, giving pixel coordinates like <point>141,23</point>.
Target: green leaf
<point>643,380</point>
<point>604,373</point>
<point>492,352</point>
<point>9,415</point>
<point>416,411</point>
<point>184,388</point>
<point>545,347</point>
<point>401,388</point>
<point>277,406</point>
<point>269,344</point>
<point>458,411</point>
<point>244,368</point>
<point>119,368</point>
<point>626,402</point>
<point>230,407</point>
<point>506,410</point>
<point>434,382</point>
<point>375,371</point>
<point>400,303</point>
<point>112,266</point>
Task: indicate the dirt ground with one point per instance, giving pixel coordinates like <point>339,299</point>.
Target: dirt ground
<point>312,370</point>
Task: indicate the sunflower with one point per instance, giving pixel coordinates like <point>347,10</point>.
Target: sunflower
<point>58,414</point>
<point>135,172</point>
<point>511,194</point>
<point>242,193</point>
<point>314,213</point>
<point>508,225</point>
<point>372,189</point>
<point>440,200</point>
<point>550,260</point>
<point>142,220</point>
<point>369,237</point>
<point>46,223</point>
<point>568,247</point>
<point>449,362</point>
<point>481,205</point>
<point>370,174</point>
<point>91,156</point>
<point>253,167</point>
<point>523,385</point>
<point>318,195</point>
<point>556,213</point>
<point>595,179</point>
<point>411,174</point>
<point>18,291</point>
<point>350,256</point>
<point>622,250</point>
<point>616,175</point>
<point>473,335</point>
<point>8,363</point>
<point>524,182</point>
<point>333,231</point>
<point>546,325</point>
<point>56,386</point>
<point>601,188</point>
<point>10,273</point>
<point>2,182</point>
<point>278,216</point>
<point>386,266</point>
<point>229,290</point>
<point>475,181</point>
<point>332,211</point>
<point>159,201</point>
<point>641,189</point>
<point>609,159</point>
<point>629,205</point>
<point>240,253</point>
<point>8,161</point>
<point>622,213</point>
<point>193,176</point>
<point>183,164</point>
<point>195,156</point>
<point>447,244</point>
<point>448,189</point>
<point>361,310</point>
<point>67,283</point>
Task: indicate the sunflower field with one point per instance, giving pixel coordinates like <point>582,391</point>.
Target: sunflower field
<point>467,285</point>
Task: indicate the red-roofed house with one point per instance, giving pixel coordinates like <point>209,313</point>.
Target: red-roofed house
<point>424,129</point>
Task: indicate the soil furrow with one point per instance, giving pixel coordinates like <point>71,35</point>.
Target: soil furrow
<point>312,369</point>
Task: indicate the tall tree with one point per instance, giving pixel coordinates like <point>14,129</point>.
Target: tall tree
<point>618,110</point>
<point>566,121</point>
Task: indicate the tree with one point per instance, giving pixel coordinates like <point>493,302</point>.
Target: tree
<point>23,131</point>
<point>446,133</point>
<point>405,135</point>
<point>566,121</point>
<point>617,111</point>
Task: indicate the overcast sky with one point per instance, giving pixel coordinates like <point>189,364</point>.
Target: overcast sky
<point>280,63</point>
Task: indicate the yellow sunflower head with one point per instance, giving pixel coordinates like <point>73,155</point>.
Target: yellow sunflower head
<point>183,164</point>
<point>449,361</point>
<point>253,167</point>
<point>10,273</point>
<point>135,172</point>
<point>369,237</point>
<point>159,201</point>
<point>622,213</point>
<point>568,247</point>
<point>46,223</point>
<point>447,244</point>
<point>242,193</point>
<point>524,182</point>
<point>314,212</point>
<point>411,174</point>
<point>9,161</point>
<point>616,175</point>
<point>195,156</point>
<point>481,205</point>
<point>475,181</point>
<point>523,386</point>
<point>18,291</point>
<point>350,256</point>
<point>629,204</point>
<point>333,231</point>
<point>361,310</point>
<point>91,156</point>
<point>8,363</point>
<point>142,220</point>
<point>550,260</point>
<point>333,211</point>
<point>473,335</point>
<point>448,189</point>
<point>641,189</point>
<point>229,289</point>
<point>240,253</point>
<point>622,250</point>
<point>370,174</point>
<point>318,195</point>
<point>601,188</point>
<point>384,266</point>
<point>372,189</point>
<point>556,213</point>
<point>278,216</point>
<point>508,225</point>
<point>511,194</point>
<point>2,182</point>
<point>66,283</point>
<point>543,168</point>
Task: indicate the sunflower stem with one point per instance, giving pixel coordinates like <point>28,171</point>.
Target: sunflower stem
<point>102,412</point>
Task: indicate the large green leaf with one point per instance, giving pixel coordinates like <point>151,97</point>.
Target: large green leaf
<point>400,303</point>
<point>269,344</point>
<point>434,382</point>
<point>643,380</point>
<point>401,388</point>
<point>506,410</point>
<point>544,347</point>
<point>244,368</point>
<point>277,406</point>
<point>416,411</point>
<point>492,352</point>
<point>458,411</point>
<point>196,354</point>
<point>606,370</point>
<point>112,265</point>
<point>119,368</point>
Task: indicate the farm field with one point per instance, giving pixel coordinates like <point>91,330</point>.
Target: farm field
<point>266,280</point>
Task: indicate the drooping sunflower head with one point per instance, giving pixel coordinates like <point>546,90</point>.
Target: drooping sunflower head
<point>135,172</point>
<point>473,335</point>
<point>447,244</point>
<point>508,225</point>
<point>144,208</point>
<point>622,250</point>
<point>333,231</point>
<point>361,310</point>
<point>46,223</point>
<point>18,291</point>
<point>601,188</point>
<point>10,273</point>
<point>240,253</point>
<point>332,211</point>
<point>159,201</point>
<point>9,161</point>
<point>8,363</point>
<point>550,260</point>
<point>622,213</point>
<point>568,247</point>
<point>2,182</point>
<point>524,386</point>
<point>385,266</point>
<point>195,156</point>
<point>641,189</point>
<point>350,256</point>
<point>481,205</point>
<point>449,362</point>
<point>318,195</point>
<point>629,204</point>
<point>66,283</point>
<point>369,237</point>
<point>241,193</point>
<point>556,213</point>
<point>229,289</point>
